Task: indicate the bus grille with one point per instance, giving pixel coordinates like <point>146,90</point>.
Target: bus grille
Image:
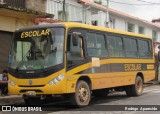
<point>31,85</point>
<point>36,90</point>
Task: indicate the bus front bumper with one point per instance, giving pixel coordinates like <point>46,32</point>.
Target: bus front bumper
<point>46,89</point>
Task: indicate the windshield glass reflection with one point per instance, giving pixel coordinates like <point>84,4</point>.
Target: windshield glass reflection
<point>37,49</point>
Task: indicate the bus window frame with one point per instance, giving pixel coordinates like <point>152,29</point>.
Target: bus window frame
<point>106,47</point>
<point>117,35</point>
<point>135,38</point>
<point>81,30</point>
<point>148,41</point>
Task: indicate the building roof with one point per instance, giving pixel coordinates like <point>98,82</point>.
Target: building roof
<point>18,12</point>
<point>156,20</point>
<point>104,8</point>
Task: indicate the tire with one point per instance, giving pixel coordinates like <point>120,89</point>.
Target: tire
<point>136,89</point>
<point>101,93</point>
<point>33,101</point>
<point>82,95</point>
<point>128,90</point>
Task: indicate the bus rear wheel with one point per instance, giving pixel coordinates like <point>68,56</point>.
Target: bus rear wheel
<point>82,95</point>
<point>136,89</point>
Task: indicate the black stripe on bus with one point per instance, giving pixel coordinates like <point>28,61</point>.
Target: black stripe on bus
<point>118,67</point>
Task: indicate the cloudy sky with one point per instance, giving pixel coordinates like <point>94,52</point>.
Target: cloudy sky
<point>138,8</point>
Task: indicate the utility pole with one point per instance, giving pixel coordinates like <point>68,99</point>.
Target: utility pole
<point>64,10</point>
<point>107,15</point>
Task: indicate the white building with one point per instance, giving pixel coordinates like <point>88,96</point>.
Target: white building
<point>74,11</point>
<point>89,12</point>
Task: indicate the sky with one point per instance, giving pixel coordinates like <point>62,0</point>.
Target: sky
<point>146,12</point>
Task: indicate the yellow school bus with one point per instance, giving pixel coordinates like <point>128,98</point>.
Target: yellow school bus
<point>78,60</point>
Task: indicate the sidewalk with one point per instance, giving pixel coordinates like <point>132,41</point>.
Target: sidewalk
<point>151,83</point>
<point>11,99</point>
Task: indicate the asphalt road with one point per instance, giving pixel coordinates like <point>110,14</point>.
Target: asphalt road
<point>115,103</point>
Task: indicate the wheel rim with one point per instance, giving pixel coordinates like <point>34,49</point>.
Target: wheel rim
<point>139,86</point>
<point>83,94</point>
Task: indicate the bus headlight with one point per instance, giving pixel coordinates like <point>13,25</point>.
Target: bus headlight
<point>11,82</point>
<point>56,80</point>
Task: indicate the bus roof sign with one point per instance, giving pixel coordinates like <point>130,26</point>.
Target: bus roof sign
<point>35,33</point>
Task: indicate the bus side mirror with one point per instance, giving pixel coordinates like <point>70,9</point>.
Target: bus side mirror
<point>75,39</point>
<point>159,56</point>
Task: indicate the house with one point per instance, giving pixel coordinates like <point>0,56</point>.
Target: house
<point>121,21</point>
<point>15,15</point>
<point>156,21</point>
<point>94,12</point>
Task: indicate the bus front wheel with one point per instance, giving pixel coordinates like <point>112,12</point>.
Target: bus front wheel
<point>136,89</point>
<point>82,95</point>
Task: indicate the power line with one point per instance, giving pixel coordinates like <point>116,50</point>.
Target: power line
<point>134,4</point>
<point>148,2</point>
<point>133,9</point>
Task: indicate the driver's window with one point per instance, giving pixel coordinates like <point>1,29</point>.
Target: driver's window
<point>75,52</point>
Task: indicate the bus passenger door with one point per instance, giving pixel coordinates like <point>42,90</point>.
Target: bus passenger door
<point>75,49</point>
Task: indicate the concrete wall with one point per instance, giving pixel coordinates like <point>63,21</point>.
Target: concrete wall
<point>11,24</point>
<point>88,18</point>
<point>101,18</point>
<point>53,8</point>
<point>7,23</point>
<point>38,5</point>
<point>75,11</point>
<point>148,31</point>
<point>120,24</point>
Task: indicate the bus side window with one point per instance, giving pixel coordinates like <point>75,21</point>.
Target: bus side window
<point>131,47</point>
<point>115,46</point>
<point>145,50</point>
<point>96,46</point>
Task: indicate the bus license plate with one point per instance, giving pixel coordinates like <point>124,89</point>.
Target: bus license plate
<point>31,93</point>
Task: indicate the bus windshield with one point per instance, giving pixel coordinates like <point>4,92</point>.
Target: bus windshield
<point>37,49</point>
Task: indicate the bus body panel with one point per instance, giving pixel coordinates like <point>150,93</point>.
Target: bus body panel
<point>40,84</point>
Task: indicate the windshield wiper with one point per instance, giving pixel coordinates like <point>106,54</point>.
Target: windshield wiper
<point>20,63</point>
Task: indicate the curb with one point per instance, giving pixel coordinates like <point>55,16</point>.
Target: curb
<point>151,83</point>
<point>10,99</point>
